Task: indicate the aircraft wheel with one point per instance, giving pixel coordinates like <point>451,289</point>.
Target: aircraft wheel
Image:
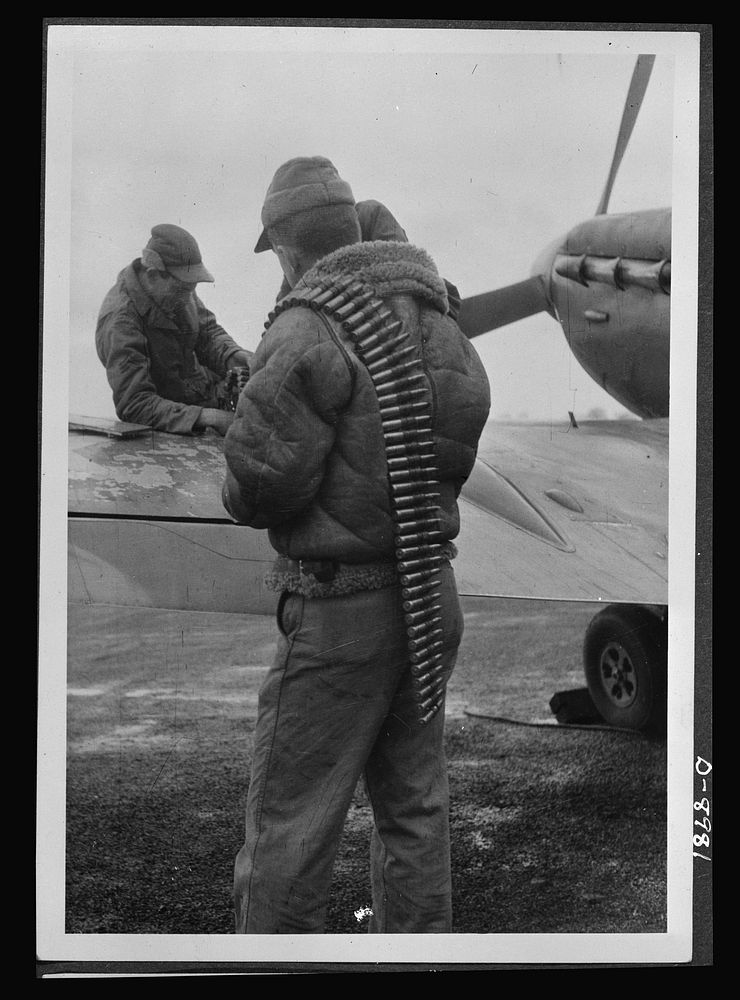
<point>625,662</point>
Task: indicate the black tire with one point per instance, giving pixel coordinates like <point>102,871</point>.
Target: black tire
<point>625,662</point>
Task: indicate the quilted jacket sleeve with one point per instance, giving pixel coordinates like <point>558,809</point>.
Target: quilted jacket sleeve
<point>285,422</point>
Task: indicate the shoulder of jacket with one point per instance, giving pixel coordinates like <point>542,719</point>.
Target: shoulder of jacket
<point>118,306</point>
<point>299,331</point>
<point>304,326</point>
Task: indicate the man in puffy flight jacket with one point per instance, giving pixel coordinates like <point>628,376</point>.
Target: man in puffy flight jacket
<point>311,458</point>
<point>165,355</point>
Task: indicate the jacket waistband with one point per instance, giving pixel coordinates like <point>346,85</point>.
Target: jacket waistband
<point>328,578</point>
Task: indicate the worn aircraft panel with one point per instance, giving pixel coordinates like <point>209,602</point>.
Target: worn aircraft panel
<point>156,475</point>
<point>551,512</point>
<point>147,527</point>
<point>601,490</point>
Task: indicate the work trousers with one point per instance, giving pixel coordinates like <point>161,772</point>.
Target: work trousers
<point>336,704</point>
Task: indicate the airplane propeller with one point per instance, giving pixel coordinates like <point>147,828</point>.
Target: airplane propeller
<point>490,310</point>
<point>635,94</point>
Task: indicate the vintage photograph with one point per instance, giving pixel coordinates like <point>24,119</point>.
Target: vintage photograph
<point>368,447</point>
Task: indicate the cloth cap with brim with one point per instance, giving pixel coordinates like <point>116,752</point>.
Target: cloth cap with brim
<point>300,184</point>
<point>177,251</point>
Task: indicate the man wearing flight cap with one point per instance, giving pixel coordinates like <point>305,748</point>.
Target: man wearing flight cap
<point>169,363</point>
<point>352,439</point>
<point>377,222</point>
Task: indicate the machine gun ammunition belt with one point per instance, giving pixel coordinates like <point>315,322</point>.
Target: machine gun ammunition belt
<point>404,396</point>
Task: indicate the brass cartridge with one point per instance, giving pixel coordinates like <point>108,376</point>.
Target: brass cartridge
<point>420,602</point>
<point>406,515</point>
<point>393,358</point>
<point>403,409</point>
<point>421,641</point>
<point>409,593</point>
<point>327,294</point>
<point>432,690</point>
<point>347,314</point>
<point>398,376</point>
<point>376,335</point>
<point>422,628</point>
<point>412,565</point>
<point>420,654</point>
<point>427,717</point>
<point>428,670</point>
<point>415,422</point>
<point>410,501</point>
<point>410,448</point>
<point>409,579</point>
<point>386,348</point>
<point>414,551</point>
<point>418,537</point>
<point>399,396</point>
<point>423,613</point>
<point>406,490</point>
<point>372,325</point>
<point>430,706</point>
<point>411,460</point>
<point>365,308</point>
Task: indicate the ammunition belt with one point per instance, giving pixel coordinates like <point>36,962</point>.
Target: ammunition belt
<point>404,397</point>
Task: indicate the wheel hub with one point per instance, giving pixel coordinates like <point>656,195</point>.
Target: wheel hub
<point>618,675</point>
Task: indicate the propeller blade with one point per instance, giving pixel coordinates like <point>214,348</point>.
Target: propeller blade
<point>490,310</point>
<point>635,94</point>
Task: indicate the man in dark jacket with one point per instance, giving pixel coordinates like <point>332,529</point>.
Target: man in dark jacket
<point>351,442</point>
<point>166,357</point>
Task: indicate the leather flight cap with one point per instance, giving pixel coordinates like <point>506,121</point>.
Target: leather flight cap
<point>174,250</point>
<point>302,183</point>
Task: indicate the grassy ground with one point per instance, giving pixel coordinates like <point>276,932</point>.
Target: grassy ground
<point>554,829</point>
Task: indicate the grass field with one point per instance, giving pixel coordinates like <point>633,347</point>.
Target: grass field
<point>555,829</point>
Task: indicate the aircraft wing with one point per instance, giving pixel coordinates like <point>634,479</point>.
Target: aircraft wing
<point>147,526</point>
<point>564,512</point>
<point>550,512</point>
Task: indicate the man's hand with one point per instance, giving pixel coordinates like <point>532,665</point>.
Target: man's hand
<point>242,359</point>
<point>219,420</point>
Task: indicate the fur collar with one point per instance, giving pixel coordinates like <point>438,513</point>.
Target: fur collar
<point>389,268</point>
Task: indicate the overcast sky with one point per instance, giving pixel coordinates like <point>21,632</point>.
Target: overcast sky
<point>486,145</point>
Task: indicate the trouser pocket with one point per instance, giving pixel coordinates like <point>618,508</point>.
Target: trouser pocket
<point>289,613</point>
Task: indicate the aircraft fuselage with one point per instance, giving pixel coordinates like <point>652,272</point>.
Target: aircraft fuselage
<point>608,285</point>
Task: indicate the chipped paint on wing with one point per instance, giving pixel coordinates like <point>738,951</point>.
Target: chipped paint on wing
<point>122,476</point>
<point>159,475</point>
